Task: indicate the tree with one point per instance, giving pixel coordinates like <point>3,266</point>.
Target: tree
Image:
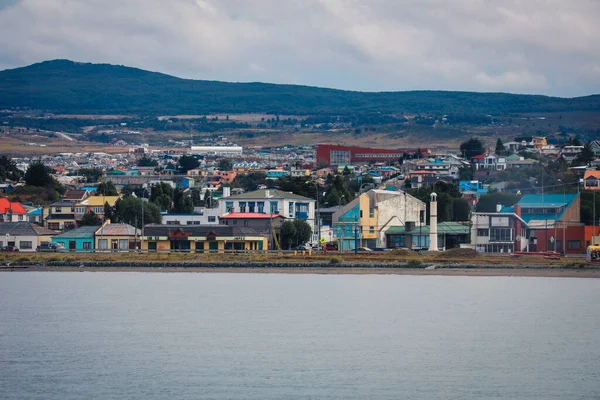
<point>128,210</point>
<point>146,161</point>
<point>472,147</point>
<point>187,163</point>
<point>294,233</point>
<point>208,201</point>
<point>489,201</point>
<point>500,149</point>
<point>110,212</point>
<point>38,175</point>
<point>182,202</point>
<point>9,170</point>
<point>197,198</point>
<point>586,156</point>
<point>162,195</point>
<point>106,189</point>
<point>90,219</point>
<point>91,174</point>
<point>225,165</point>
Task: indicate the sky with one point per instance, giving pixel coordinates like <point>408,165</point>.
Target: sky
<point>522,46</point>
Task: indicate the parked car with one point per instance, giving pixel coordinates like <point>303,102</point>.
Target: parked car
<point>381,249</point>
<point>9,248</point>
<point>48,247</point>
<point>330,247</point>
<point>365,249</point>
<point>302,247</point>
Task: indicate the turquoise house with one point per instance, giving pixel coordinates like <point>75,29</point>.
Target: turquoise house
<point>80,239</point>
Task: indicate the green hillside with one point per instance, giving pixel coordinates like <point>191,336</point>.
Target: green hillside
<point>64,86</point>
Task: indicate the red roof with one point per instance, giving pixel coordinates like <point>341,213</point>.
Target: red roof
<point>6,206</point>
<point>479,157</point>
<point>249,215</point>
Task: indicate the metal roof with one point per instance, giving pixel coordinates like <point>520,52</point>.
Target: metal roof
<point>274,194</point>
<point>118,230</point>
<point>23,229</point>
<point>85,232</point>
<point>199,230</point>
<point>444,228</point>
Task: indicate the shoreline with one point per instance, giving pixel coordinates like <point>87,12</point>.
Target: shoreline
<point>549,272</point>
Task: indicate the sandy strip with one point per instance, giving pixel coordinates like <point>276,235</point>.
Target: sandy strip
<point>531,272</point>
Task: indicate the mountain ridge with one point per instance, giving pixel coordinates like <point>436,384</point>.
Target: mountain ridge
<point>65,86</point>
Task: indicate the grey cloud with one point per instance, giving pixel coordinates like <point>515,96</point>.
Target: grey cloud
<point>543,46</point>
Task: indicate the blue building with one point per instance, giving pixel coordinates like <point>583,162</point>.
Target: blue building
<point>80,239</point>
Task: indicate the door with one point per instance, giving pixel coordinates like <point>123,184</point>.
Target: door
<point>72,245</point>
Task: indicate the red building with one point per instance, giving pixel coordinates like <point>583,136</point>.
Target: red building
<point>333,154</point>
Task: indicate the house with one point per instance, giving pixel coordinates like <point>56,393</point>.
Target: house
<point>11,211</point>
<point>365,220</point>
<point>75,195</point>
<point>450,235</point>
<point>591,180</point>
<point>59,215</point>
<point>595,145</point>
<point>26,236</point>
<point>276,173</point>
<point>296,172</point>
<point>485,162</point>
<point>539,141</point>
<point>204,216</point>
<point>6,188</point>
<point>216,238</point>
<point>225,176</point>
<point>117,237</point>
<point>35,215</point>
<point>265,224</point>
<point>271,201</point>
<point>548,222</point>
<point>245,167</point>
<point>515,161</point>
<point>79,239</point>
<point>472,186</point>
<point>570,153</point>
<point>94,204</point>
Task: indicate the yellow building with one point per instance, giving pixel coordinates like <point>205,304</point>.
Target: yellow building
<point>198,238</point>
<point>539,142</point>
<point>94,204</point>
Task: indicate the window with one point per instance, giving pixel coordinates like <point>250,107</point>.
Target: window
<point>371,212</point>
<point>291,209</point>
<point>80,210</point>
<point>98,210</point>
<point>371,229</point>
<point>274,207</point>
<point>483,232</point>
<point>190,223</point>
<point>174,222</point>
<point>261,207</point>
<point>87,245</point>
<point>229,206</point>
<point>103,244</point>
<point>25,245</point>
<point>53,226</point>
<point>242,206</point>
<point>574,244</point>
<point>235,222</point>
<point>57,209</point>
<point>20,218</point>
<point>361,213</point>
<point>212,218</point>
<point>501,235</point>
<point>123,244</point>
<point>251,206</point>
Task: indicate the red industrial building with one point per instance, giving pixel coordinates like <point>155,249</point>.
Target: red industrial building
<point>333,154</point>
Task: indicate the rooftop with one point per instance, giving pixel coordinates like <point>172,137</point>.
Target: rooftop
<point>262,195</point>
<point>84,232</point>
<point>444,228</point>
<point>249,215</point>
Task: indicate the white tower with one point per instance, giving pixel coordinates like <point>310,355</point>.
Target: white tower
<point>433,235</point>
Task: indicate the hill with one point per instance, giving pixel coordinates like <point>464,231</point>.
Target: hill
<point>63,86</point>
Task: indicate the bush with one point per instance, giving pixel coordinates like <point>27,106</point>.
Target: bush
<point>414,264</point>
<point>335,260</point>
<point>458,253</point>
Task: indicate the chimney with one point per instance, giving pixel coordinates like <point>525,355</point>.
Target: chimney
<point>498,207</point>
<point>226,191</point>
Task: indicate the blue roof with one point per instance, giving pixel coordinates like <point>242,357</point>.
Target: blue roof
<point>550,200</point>
<point>37,211</point>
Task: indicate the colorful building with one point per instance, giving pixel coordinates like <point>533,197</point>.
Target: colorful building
<point>365,220</point>
<point>79,239</point>
<point>117,237</point>
<point>23,235</point>
<point>333,154</point>
<point>200,239</point>
<point>11,211</point>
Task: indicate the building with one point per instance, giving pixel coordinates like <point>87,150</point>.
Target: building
<point>548,222</point>
<point>332,154</point>
<point>570,153</point>
<point>79,239</point>
<point>539,141</point>
<point>231,151</point>
<point>591,180</point>
<point>117,237</point>
<point>60,215</point>
<point>365,220</point>
<point>271,201</point>
<point>204,216</point>
<point>410,236</point>
<point>276,173</point>
<point>11,211</point>
<point>595,145</point>
<point>24,235</point>
<point>94,204</point>
<point>265,224</point>
<point>200,239</point>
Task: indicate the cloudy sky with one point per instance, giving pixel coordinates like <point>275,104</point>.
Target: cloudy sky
<point>524,46</point>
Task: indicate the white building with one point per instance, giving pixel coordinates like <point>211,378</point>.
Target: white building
<point>217,150</point>
<point>288,205</point>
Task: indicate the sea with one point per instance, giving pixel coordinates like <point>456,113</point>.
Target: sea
<point>128,335</point>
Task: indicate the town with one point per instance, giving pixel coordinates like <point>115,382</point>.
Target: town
<point>522,196</point>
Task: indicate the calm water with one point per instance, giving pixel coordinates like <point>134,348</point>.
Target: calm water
<point>250,336</point>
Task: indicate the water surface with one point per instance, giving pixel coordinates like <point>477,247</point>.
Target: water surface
<point>117,335</point>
